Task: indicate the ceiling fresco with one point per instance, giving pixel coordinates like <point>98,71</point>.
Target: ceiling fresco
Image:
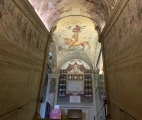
<point>74,25</point>
<point>75,36</point>
<point>74,55</point>
<point>51,11</point>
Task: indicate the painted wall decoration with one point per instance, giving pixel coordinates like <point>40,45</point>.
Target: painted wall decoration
<point>75,84</point>
<point>123,60</point>
<point>22,47</point>
<point>72,84</point>
<point>128,27</point>
<point>52,10</point>
<point>74,40</point>
<point>49,10</point>
<point>75,35</point>
<point>19,30</point>
<point>73,55</point>
<point>74,22</point>
<point>75,66</point>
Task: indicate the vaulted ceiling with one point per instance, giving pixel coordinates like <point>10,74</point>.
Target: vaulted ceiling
<point>73,24</point>
<point>75,36</point>
<point>51,11</point>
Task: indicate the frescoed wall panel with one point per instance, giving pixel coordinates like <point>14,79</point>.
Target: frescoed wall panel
<point>123,51</point>
<point>23,41</point>
<point>75,83</point>
<point>27,38</point>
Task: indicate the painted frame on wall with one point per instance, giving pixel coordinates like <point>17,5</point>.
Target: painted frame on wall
<point>75,80</point>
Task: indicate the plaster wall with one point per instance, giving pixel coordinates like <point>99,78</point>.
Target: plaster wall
<point>23,40</point>
<point>122,41</point>
<point>89,109</point>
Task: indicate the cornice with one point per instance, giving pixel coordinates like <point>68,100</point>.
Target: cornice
<point>54,75</point>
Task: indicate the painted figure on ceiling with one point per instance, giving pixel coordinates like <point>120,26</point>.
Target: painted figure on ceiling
<point>97,10</point>
<point>53,14</point>
<point>49,10</point>
<point>74,41</point>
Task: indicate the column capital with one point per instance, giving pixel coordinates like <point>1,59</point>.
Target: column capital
<point>54,76</point>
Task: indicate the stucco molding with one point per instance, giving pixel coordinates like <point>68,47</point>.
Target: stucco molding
<point>64,60</point>
<point>53,76</point>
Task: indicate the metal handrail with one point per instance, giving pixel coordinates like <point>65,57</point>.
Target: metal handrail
<point>20,107</point>
<point>101,110</point>
<point>121,109</point>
